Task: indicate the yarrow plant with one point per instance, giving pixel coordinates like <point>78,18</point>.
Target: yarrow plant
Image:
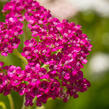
<point>53,54</point>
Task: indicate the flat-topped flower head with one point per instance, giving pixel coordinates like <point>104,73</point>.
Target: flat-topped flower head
<point>55,53</point>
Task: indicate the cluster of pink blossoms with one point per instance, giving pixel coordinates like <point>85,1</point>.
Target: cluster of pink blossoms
<point>55,53</point>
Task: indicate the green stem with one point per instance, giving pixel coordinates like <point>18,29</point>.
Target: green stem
<point>18,54</point>
<point>23,106</point>
<point>25,31</point>
<point>42,107</point>
<point>2,105</point>
<point>11,101</point>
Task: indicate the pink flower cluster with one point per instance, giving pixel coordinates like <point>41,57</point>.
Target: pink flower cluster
<point>9,35</point>
<point>55,54</point>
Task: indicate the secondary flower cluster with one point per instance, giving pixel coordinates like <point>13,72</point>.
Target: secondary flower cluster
<point>55,53</point>
<point>9,35</point>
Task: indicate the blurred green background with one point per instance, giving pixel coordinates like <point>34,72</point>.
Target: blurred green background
<point>97,69</point>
